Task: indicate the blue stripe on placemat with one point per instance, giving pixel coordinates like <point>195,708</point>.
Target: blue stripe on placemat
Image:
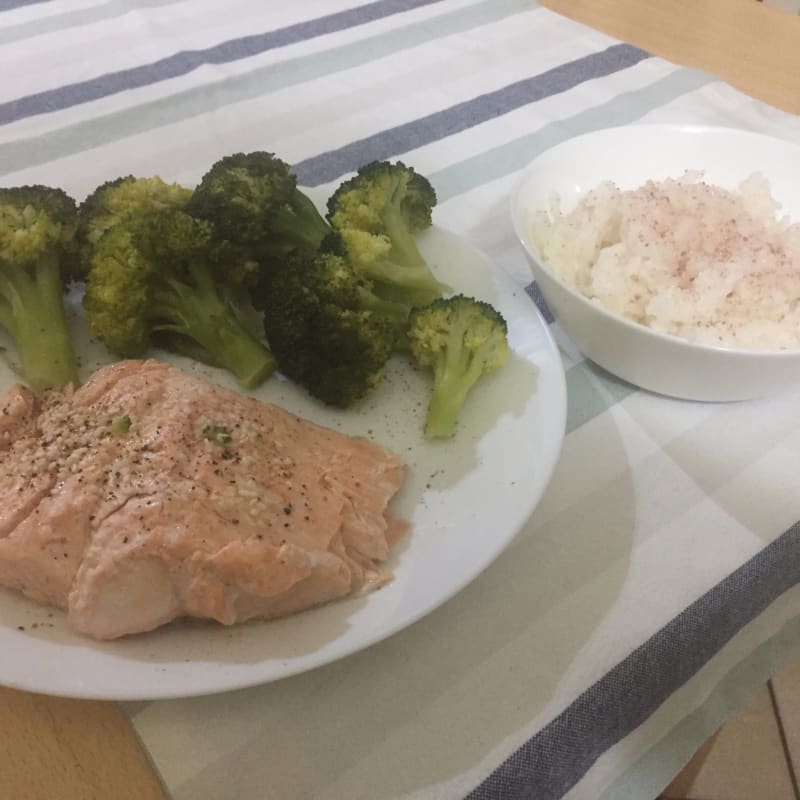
<point>556,758</point>
<point>188,60</point>
<point>330,165</point>
<point>509,157</point>
<point>535,293</point>
<point>186,103</point>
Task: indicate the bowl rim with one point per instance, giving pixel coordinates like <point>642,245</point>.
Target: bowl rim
<point>524,175</point>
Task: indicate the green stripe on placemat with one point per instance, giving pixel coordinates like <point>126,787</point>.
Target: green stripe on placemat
<point>468,113</point>
<point>182,105</point>
<point>75,18</point>
<point>508,158</point>
<point>177,64</point>
<point>591,391</point>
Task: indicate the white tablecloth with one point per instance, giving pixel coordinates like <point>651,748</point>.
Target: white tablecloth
<point>656,584</point>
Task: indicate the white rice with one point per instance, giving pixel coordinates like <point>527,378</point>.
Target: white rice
<point>683,257</point>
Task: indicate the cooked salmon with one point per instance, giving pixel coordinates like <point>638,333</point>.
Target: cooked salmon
<point>148,494</point>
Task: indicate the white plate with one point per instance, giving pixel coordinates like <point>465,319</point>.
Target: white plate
<point>466,500</point>
<point>629,156</point>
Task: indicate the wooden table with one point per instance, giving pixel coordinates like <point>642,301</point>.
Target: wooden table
<point>57,749</point>
<point>78,750</point>
<point>752,46</point>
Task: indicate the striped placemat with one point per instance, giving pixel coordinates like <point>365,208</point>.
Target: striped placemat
<point>655,585</point>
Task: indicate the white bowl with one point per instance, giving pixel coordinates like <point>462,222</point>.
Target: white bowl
<point>629,156</point>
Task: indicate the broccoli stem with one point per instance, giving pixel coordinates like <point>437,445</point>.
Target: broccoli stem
<point>415,278</point>
<point>405,266</point>
<point>453,376</point>
<point>33,313</point>
<point>396,312</point>
<point>407,297</point>
<point>199,312</point>
<point>404,245</point>
<point>301,224</point>
<point>443,409</point>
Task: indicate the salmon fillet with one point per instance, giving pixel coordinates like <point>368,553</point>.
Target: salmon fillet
<point>148,494</point>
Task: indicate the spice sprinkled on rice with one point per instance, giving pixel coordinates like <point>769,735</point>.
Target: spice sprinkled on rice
<point>683,257</point>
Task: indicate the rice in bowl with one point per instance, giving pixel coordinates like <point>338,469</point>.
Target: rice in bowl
<point>683,257</point>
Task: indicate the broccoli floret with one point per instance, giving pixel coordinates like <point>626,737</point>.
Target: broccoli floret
<point>327,330</point>
<point>122,199</point>
<point>461,339</point>
<point>151,282</point>
<point>258,213</point>
<point>37,260</point>
<point>335,280</point>
<point>377,215</point>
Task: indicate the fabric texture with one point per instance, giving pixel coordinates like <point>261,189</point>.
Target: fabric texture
<point>659,561</point>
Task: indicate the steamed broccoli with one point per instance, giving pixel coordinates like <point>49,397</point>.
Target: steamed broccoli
<point>461,339</point>
<point>377,215</point>
<point>37,260</point>
<point>151,281</point>
<point>327,329</point>
<point>258,213</point>
<point>121,199</point>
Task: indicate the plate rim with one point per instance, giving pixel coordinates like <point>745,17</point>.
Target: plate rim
<point>205,687</point>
